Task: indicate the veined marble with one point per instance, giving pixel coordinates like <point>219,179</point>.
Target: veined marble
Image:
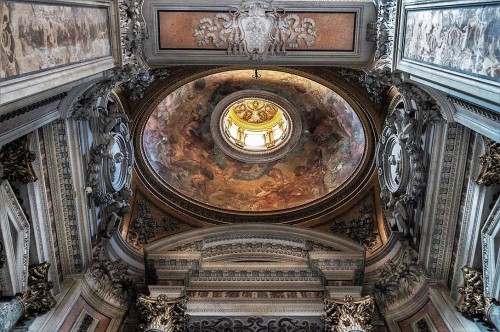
<point>465,39</point>
<point>36,37</point>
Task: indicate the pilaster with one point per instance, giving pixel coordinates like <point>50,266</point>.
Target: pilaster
<point>442,201</point>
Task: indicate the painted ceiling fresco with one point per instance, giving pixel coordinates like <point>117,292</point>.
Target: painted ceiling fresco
<point>179,145</point>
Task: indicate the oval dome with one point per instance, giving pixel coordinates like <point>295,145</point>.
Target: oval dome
<point>179,146</point>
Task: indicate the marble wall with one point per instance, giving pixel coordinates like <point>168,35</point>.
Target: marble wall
<point>37,37</point>
<point>464,39</point>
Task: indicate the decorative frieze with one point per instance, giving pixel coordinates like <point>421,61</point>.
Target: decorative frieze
<point>442,204</point>
<point>490,161</point>
<point>162,313</point>
<point>473,303</point>
<point>348,314</point>
<point>360,228</point>
<point>109,280</point>
<point>256,29</point>
<point>398,280</point>
<point>260,324</point>
<point>16,159</point>
<point>37,299</point>
<point>61,170</point>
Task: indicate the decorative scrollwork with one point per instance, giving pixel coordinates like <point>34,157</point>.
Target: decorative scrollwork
<point>256,29</point>
<point>348,314</point>
<point>145,226</point>
<point>400,165</point>
<point>473,303</point>
<point>254,324</point>
<point>163,313</point>
<point>490,173</point>
<point>110,280</point>
<point>398,279</point>
<point>37,298</point>
<point>360,229</point>
<point>16,159</point>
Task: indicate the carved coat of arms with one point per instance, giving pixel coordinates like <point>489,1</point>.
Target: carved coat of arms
<point>256,26</point>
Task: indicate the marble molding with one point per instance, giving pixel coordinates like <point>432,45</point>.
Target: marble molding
<point>15,234</point>
<point>70,205</point>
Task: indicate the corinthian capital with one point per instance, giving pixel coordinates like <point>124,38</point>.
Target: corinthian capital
<point>490,173</point>
<point>163,313</point>
<point>473,303</point>
<point>37,299</point>
<point>16,159</point>
<point>348,314</point>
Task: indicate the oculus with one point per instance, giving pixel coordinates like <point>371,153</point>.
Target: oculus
<point>255,126</point>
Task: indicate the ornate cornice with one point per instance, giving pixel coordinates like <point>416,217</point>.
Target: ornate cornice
<point>443,200</point>
<point>32,107</point>
<point>348,314</point>
<point>491,115</point>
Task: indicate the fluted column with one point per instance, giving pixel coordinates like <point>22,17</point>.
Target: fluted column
<point>348,315</point>
<point>36,300</point>
<point>162,314</point>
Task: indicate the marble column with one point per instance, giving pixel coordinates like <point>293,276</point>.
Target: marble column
<point>10,313</point>
<point>493,315</point>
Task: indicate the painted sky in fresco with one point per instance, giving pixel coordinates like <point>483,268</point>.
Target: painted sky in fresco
<point>180,148</point>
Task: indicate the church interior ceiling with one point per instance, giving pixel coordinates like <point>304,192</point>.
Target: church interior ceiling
<point>184,180</point>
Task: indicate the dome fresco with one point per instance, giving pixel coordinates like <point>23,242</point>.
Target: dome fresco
<point>179,145</point>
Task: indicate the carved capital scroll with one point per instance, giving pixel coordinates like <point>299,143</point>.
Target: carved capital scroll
<point>490,173</point>
<point>348,314</point>
<point>37,299</point>
<point>162,313</point>
<point>473,303</point>
<point>16,159</point>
